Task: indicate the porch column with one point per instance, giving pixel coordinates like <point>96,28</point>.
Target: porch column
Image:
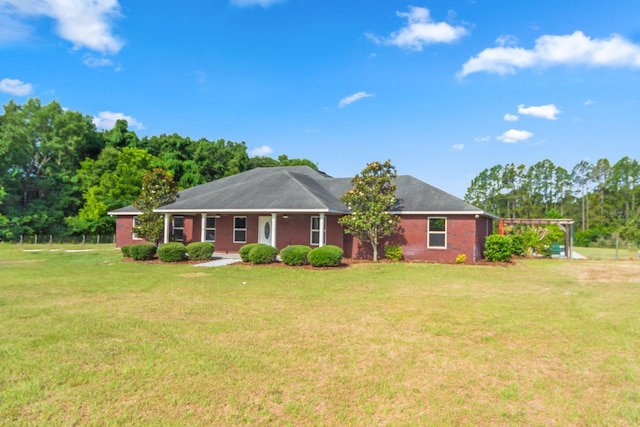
<point>167,222</point>
<point>323,226</point>
<point>274,219</point>
<point>203,227</point>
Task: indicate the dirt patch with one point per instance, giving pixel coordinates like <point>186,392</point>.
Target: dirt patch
<point>607,272</point>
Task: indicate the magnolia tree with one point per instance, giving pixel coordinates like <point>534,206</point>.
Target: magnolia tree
<point>371,200</point>
<point>158,189</point>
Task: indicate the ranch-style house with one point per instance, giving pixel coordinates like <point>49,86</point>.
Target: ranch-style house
<point>283,206</point>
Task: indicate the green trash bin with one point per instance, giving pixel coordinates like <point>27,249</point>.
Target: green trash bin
<point>556,249</point>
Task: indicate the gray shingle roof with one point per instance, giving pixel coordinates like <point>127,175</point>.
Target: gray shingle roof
<point>293,188</point>
<point>302,189</point>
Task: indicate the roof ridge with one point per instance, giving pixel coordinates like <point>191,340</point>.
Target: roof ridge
<point>308,191</point>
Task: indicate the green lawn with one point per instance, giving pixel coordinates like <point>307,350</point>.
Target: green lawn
<point>88,339</point>
<point>624,253</point>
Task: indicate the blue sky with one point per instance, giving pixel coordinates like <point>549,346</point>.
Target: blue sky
<point>443,89</point>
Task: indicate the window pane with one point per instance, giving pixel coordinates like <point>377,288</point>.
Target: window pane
<point>211,223</point>
<point>240,222</point>
<point>315,223</point>
<point>239,236</point>
<point>210,235</point>
<point>436,240</point>
<point>437,224</point>
<point>178,221</point>
<point>315,237</point>
<point>178,235</point>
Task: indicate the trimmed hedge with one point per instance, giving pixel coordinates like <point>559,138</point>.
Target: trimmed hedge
<point>143,252</point>
<point>325,256</point>
<point>295,254</point>
<point>498,248</point>
<point>172,252</point>
<point>200,251</point>
<point>125,251</point>
<point>393,252</point>
<point>244,251</point>
<point>262,254</point>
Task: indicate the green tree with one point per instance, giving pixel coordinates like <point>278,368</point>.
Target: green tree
<point>41,147</point>
<point>158,189</point>
<point>371,201</point>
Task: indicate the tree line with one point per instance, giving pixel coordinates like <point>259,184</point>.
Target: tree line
<point>601,197</point>
<point>60,175</point>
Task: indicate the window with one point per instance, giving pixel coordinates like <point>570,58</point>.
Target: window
<point>437,233</point>
<point>315,230</point>
<point>177,227</point>
<point>239,229</point>
<point>134,235</point>
<point>210,229</point>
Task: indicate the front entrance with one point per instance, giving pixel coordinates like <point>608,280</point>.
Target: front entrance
<point>265,228</point>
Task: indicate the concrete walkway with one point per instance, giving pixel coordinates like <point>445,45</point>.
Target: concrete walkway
<point>220,260</point>
<point>576,255</point>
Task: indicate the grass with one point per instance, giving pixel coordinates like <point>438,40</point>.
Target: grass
<point>89,339</point>
<point>624,253</point>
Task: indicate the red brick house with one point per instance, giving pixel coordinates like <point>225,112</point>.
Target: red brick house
<point>283,206</point>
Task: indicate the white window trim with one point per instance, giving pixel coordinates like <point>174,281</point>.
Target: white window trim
<point>312,230</point>
<point>174,228</point>
<point>317,230</point>
<point>134,235</point>
<point>207,229</point>
<point>429,232</point>
<point>238,229</point>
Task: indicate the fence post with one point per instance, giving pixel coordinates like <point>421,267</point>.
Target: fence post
<point>83,239</point>
<point>35,240</point>
<point>98,241</point>
<point>50,238</point>
<point>21,238</point>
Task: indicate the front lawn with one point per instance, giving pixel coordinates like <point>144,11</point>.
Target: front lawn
<point>88,339</point>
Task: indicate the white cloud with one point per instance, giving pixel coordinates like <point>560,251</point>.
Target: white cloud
<point>92,61</point>
<point>514,135</point>
<point>86,24</point>
<point>507,40</point>
<point>265,150</point>
<point>353,98</point>
<point>589,102</point>
<point>458,147</point>
<point>483,139</point>
<point>549,111</point>
<point>420,30</point>
<point>15,87</point>
<point>263,3</point>
<point>511,117</point>
<point>108,119</point>
<point>550,50</point>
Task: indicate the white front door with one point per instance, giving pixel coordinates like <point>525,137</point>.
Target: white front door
<point>265,228</point>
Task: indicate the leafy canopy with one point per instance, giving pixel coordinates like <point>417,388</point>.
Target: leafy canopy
<point>158,189</point>
<point>371,200</point>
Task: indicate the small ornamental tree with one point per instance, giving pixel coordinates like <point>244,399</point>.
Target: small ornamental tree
<point>372,198</point>
<point>158,189</point>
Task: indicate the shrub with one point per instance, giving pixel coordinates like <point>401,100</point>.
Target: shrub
<point>200,250</point>
<point>172,252</point>
<point>325,256</point>
<point>295,254</point>
<point>497,248</point>
<point>393,252</point>
<point>142,252</point>
<point>262,254</point>
<point>244,251</point>
<point>125,251</point>
<point>461,259</point>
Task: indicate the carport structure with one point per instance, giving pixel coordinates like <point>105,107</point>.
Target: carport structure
<point>566,225</point>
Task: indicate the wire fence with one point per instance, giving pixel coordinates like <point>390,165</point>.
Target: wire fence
<point>50,239</point>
